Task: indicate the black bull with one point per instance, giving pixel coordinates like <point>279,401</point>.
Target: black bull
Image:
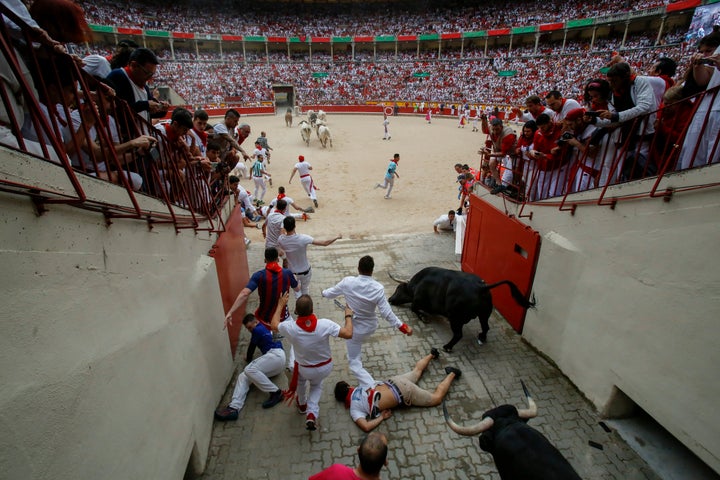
<point>520,452</point>
<point>456,295</point>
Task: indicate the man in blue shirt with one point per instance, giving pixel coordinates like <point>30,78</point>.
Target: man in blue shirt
<point>390,175</point>
<point>258,371</point>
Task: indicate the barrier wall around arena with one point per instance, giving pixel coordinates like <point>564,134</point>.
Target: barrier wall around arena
<point>496,248</point>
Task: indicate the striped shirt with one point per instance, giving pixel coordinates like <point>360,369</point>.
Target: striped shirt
<point>270,286</point>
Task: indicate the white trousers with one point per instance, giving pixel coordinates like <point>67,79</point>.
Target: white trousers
<point>258,372</point>
<point>260,188</point>
<point>310,382</point>
<point>309,186</point>
<point>304,282</point>
<point>354,355</point>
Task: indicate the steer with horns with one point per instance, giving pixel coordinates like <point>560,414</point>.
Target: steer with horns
<point>519,451</point>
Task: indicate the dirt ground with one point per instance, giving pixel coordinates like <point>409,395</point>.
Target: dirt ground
<point>347,172</point>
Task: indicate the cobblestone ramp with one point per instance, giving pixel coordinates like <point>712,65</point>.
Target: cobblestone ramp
<point>273,444</point>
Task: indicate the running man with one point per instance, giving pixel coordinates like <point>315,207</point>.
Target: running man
<point>303,169</point>
<point>390,175</point>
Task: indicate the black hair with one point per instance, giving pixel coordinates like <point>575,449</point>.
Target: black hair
<point>271,254</point>
<point>289,223</point>
<point>553,94</point>
<point>201,114</point>
<point>543,119</point>
<point>341,390</point>
<point>366,265</point>
<point>144,56</point>
<point>182,116</point>
<point>666,66</point>
<point>304,306</point>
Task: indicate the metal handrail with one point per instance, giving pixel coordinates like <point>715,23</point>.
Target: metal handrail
<point>186,193</point>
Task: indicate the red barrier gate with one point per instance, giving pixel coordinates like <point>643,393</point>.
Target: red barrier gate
<point>498,247</point>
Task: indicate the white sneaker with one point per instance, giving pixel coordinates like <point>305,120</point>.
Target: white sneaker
<point>387,197</point>
<point>247,241</point>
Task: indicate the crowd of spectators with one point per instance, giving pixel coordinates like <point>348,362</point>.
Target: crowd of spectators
<point>386,76</point>
<point>229,17</point>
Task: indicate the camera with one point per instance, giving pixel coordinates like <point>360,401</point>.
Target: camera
<point>155,153</point>
<point>221,167</point>
<point>565,137</point>
<point>592,114</point>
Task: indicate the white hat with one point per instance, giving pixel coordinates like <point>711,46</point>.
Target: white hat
<point>97,66</point>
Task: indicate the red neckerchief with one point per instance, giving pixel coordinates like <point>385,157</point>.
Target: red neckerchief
<point>347,397</point>
<point>273,267</point>
<point>281,196</point>
<point>203,136</point>
<point>170,133</point>
<point>127,70</point>
<point>307,323</point>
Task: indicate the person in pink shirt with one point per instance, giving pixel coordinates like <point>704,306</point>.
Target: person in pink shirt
<point>372,454</point>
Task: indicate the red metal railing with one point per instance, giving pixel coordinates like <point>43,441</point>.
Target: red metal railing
<point>57,113</point>
<point>628,152</point>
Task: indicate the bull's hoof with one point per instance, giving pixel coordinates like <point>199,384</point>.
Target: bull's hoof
<point>447,348</point>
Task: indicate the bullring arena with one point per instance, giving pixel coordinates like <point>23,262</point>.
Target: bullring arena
<point>398,234</point>
<point>127,281</point>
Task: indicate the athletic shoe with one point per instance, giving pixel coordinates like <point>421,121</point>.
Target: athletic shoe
<point>247,241</point>
<point>274,398</point>
<point>454,370</point>
<point>377,185</point>
<point>301,408</point>
<point>316,204</point>
<point>387,197</point>
<point>226,414</point>
<point>310,422</point>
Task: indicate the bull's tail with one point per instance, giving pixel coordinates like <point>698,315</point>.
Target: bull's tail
<point>515,292</point>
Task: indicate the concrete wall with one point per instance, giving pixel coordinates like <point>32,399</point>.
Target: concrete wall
<point>630,298</point>
<point>112,349</point>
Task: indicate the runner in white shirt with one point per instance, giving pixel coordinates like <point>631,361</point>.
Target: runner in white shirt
<point>303,169</point>
<point>294,245</point>
<point>446,223</point>
<point>310,338</point>
<point>364,295</point>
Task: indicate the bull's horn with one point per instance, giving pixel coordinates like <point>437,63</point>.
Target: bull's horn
<point>396,279</point>
<point>531,411</point>
<point>485,424</point>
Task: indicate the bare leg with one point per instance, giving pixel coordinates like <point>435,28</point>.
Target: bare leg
<point>421,365</point>
<point>442,389</point>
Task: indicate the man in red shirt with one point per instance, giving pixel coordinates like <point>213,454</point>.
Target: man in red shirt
<point>372,453</point>
<point>548,158</point>
<point>503,143</point>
